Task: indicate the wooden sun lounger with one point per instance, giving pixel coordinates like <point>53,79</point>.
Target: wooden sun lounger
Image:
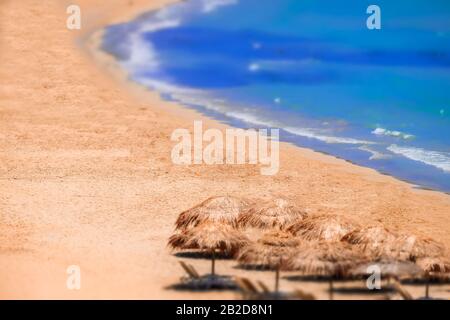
<point>189,270</point>
<point>246,292</point>
<point>264,288</point>
<point>250,285</point>
<point>248,289</point>
<point>194,272</point>
<point>402,291</point>
<point>242,285</point>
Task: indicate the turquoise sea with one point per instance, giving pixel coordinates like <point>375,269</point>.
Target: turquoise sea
<point>379,98</point>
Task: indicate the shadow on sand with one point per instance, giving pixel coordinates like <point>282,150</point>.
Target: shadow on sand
<point>355,288</point>
<point>201,255</point>
<point>205,283</point>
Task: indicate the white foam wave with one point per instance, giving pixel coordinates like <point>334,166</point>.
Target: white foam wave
<point>176,92</point>
<point>198,99</point>
<point>211,5</point>
<point>250,118</point>
<point>159,25</point>
<point>393,133</point>
<point>142,55</point>
<point>187,9</point>
<point>374,154</point>
<point>313,134</point>
<point>253,67</point>
<point>436,159</point>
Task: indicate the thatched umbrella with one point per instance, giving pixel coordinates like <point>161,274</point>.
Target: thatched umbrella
<point>410,247</point>
<point>268,252</point>
<point>211,238</point>
<point>221,209</point>
<point>323,227</point>
<point>380,242</point>
<point>371,239</point>
<point>433,267</point>
<point>414,247</point>
<point>271,214</point>
<point>389,268</point>
<point>324,259</point>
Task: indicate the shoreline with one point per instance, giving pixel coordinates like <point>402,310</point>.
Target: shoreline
<point>109,63</point>
<point>87,177</point>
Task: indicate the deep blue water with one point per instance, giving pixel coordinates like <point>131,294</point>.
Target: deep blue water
<point>380,98</point>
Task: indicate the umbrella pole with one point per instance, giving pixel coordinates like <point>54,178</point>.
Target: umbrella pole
<point>213,263</point>
<point>427,286</point>
<point>277,279</point>
<point>331,289</point>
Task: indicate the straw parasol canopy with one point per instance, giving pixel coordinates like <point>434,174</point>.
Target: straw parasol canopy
<point>280,239</point>
<point>210,237</point>
<point>270,214</point>
<point>371,238</point>
<point>269,252</point>
<point>222,209</point>
<point>325,227</point>
<point>436,268</point>
<point>324,259</point>
<point>389,267</point>
<point>434,265</point>
<point>412,247</point>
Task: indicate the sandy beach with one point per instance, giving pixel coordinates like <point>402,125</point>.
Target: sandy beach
<point>86,176</point>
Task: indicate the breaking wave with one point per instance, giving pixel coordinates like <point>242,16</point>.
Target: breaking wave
<point>436,159</point>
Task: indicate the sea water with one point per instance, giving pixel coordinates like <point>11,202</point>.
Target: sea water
<point>379,98</point>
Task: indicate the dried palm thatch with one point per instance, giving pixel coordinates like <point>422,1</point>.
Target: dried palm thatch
<point>269,252</point>
<point>434,268</point>
<point>411,247</point>
<point>324,259</point>
<point>271,214</point>
<point>323,227</point>
<point>371,239</point>
<point>209,237</point>
<point>263,256</point>
<point>222,209</point>
<point>436,265</point>
<point>279,239</point>
<point>388,267</point>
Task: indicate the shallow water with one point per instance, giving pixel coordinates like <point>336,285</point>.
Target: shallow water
<point>379,98</point>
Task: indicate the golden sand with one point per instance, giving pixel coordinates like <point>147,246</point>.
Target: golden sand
<point>86,176</point>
